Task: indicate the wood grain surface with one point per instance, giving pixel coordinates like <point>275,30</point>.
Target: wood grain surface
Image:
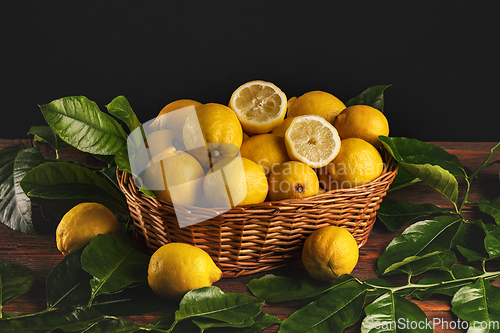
<point>39,252</point>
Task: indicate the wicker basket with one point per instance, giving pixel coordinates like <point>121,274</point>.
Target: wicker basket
<point>256,238</point>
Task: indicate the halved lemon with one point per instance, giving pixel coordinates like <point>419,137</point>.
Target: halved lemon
<point>260,106</point>
<point>312,140</point>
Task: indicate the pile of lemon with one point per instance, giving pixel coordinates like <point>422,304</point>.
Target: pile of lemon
<point>286,148</point>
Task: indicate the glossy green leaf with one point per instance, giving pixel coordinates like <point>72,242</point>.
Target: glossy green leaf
<point>274,288</point>
<point>212,303</point>
<point>372,96</point>
<point>403,178</point>
<point>413,151</point>
<point>46,134</point>
<point>441,261</point>
<point>167,323</point>
<point>429,163</point>
<point>15,206</point>
<point>67,283</point>
<point>56,179</point>
<point>79,122</point>
<point>333,312</point>
<point>136,301</point>
<point>72,320</point>
<point>15,280</point>
<point>121,109</point>
<point>491,207</point>
<point>478,302</point>
<point>446,283</point>
<point>469,241</point>
<point>114,263</point>
<point>122,161</point>
<point>115,326</point>
<point>396,213</point>
<point>395,314</point>
<point>58,197</point>
<point>421,239</point>
<point>260,322</point>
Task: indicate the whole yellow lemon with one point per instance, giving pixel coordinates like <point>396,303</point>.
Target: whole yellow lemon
<point>318,103</point>
<point>364,122</point>
<point>212,133</point>
<point>82,223</point>
<point>235,182</point>
<point>176,268</point>
<point>175,176</point>
<point>267,150</point>
<point>357,162</point>
<point>292,180</point>
<point>330,252</point>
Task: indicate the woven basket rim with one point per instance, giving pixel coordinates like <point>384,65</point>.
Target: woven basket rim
<point>390,167</point>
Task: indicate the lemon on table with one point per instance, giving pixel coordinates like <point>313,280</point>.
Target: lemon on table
<point>317,102</point>
<point>260,106</point>
<point>330,252</point>
<point>176,268</point>
<point>281,129</point>
<point>292,180</point>
<point>82,223</point>
<point>175,176</point>
<point>212,133</point>
<point>364,122</point>
<point>312,140</point>
<point>357,162</point>
<point>267,150</point>
<point>235,182</point>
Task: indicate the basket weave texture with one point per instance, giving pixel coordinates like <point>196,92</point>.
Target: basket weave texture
<point>261,237</point>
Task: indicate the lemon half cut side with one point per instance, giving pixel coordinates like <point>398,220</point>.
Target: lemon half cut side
<point>259,105</point>
<point>313,140</point>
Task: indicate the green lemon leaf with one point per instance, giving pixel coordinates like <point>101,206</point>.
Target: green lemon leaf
<point>212,303</point>
<point>67,283</point>
<point>275,289</point>
<point>441,261</point>
<point>478,302</point>
<point>46,134</point>
<point>59,186</point>
<point>372,96</point>
<point>72,320</point>
<point>471,241</point>
<point>421,239</point>
<point>333,312</point>
<point>115,326</point>
<point>430,163</point>
<point>114,263</point>
<point>15,206</point>
<point>131,301</point>
<point>491,207</point>
<point>121,109</point>
<point>457,273</point>
<point>79,122</point>
<point>396,213</point>
<point>122,160</point>
<point>403,178</point>
<point>260,322</point>
<point>393,313</point>
<point>15,280</point>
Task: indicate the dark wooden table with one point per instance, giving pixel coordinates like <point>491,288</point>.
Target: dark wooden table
<point>39,252</point>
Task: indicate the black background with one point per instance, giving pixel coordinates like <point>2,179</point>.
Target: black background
<point>441,58</point>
